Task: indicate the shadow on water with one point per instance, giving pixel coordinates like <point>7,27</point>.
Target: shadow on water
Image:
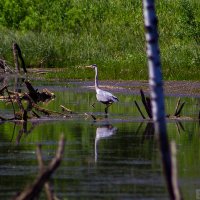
<point>112,158</point>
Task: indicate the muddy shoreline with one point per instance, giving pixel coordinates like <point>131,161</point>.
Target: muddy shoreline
<point>171,88</point>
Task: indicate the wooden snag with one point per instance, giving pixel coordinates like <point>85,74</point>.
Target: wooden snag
<point>5,67</point>
<point>38,96</point>
<point>17,53</point>
<point>33,191</point>
<point>179,107</point>
<point>140,111</point>
<point>178,113</point>
<point>48,189</point>
<point>146,103</point>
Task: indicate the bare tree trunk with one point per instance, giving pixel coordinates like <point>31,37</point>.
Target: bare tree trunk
<point>157,94</point>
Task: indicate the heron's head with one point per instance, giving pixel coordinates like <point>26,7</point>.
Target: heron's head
<point>94,66</point>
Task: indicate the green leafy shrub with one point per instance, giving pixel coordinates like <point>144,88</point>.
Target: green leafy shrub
<point>67,33</point>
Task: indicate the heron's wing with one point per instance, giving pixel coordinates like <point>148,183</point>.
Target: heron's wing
<point>105,96</point>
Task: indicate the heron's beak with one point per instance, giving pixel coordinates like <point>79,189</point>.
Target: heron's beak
<point>89,66</point>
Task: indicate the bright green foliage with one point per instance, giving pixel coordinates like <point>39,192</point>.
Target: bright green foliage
<point>65,15</point>
<point>190,21</point>
<point>66,33</point>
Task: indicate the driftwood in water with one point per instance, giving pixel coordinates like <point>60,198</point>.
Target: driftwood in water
<point>48,189</point>
<point>64,109</point>
<point>22,114</point>
<point>48,112</point>
<point>140,111</point>
<point>38,96</point>
<point>179,108</point>
<point>18,54</point>
<point>146,101</point>
<point>147,104</point>
<point>32,105</point>
<point>3,89</point>
<point>32,97</point>
<point>33,191</point>
<point>5,67</point>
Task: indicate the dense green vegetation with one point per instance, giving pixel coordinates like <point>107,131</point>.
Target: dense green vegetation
<point>109,33</point>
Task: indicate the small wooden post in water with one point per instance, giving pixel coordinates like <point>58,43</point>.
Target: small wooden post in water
<point>15,55</point>
<point>157,94</point>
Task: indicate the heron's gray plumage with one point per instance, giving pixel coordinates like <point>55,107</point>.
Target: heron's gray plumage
<point>105,97</point>
<point>102,95</point>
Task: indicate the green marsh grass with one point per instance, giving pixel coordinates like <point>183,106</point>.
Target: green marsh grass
<point>108,33</point>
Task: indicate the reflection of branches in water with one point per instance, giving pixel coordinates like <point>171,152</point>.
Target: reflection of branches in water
<point>24,130</point>
<point>179,127</point>
<point>150,129</point>
<point>148,132</point>
<point>15,81</point>
<point>103,132</point>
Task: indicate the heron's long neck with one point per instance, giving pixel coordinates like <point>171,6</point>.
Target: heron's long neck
<point>96,79</point>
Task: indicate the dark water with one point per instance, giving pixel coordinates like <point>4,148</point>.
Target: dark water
<point>113,158</point>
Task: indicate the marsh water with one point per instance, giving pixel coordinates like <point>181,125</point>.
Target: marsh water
<point>113,158</point>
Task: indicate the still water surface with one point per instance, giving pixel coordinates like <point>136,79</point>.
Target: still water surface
<point>114,158</point>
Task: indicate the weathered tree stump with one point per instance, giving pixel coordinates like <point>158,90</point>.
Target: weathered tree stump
<point>18,54</point>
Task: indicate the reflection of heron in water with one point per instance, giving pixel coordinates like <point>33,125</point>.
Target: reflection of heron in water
<point>103,132</point>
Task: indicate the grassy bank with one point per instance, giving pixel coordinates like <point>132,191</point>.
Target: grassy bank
<point>108,33</point>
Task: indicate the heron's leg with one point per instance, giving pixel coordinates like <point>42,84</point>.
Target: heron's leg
<point>93,105</point>
<point>106,109</point>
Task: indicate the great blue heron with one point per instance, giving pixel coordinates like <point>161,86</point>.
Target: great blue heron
<point>102,95</point>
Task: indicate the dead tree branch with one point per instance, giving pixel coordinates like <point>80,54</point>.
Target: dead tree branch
<point>45,173</point>
<point>138,107</point>
<point>5,67</point>
<point>146,103</point>
<point>48,189</point>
